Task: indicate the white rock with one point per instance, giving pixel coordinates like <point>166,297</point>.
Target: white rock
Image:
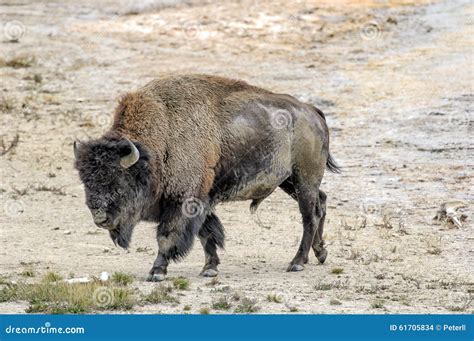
<point>104,276</point>
<point>78,280</point>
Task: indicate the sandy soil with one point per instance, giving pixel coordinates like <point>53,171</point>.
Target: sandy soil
<point>394,78</point>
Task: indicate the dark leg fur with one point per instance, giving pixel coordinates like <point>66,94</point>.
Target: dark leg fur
<point>211,236</point>
<point>175,235</point>
<point>318,244</point>
<point>319,214</point>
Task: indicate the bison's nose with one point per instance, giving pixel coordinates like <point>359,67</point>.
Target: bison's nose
<point>99,216</point>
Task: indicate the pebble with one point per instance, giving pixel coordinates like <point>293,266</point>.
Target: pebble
<point>104,276</point>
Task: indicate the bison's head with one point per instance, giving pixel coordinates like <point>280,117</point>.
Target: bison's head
<point>115,174</point>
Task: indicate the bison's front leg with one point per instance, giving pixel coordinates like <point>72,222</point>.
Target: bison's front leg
<point>211,235</point>
<point>175,235</point>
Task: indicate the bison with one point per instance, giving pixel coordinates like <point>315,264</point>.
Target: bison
<point>180,145</point>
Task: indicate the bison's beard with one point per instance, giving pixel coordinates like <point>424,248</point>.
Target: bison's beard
<point>122,236</point>
<point>128,218</point>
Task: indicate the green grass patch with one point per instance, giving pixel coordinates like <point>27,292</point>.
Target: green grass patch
<point>204,311</point>
<point>66,298</point>
<point>121,278</point>
<point>337,271</point>
<point>181,283</point>
<point>52,277</point>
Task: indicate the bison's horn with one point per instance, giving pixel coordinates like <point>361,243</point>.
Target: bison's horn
<point>130,159</point>
<point>75,148</point>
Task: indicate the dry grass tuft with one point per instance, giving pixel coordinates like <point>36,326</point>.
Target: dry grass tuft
<point>161,294</point>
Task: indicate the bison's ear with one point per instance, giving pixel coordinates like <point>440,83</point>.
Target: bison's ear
<point>129,153</point>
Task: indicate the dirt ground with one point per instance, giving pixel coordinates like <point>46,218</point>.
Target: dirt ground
<point>393,77</point>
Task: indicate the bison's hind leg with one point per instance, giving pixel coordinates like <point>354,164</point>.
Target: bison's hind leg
<point>312,204</point>
<point>318,243</point>
<point>211,236</point>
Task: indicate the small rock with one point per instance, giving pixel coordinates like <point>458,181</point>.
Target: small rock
<point>104,276</point>
<point>66,232</point>
<point>78,280</point>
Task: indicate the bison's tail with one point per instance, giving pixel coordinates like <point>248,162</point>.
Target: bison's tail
<point>332,165</point>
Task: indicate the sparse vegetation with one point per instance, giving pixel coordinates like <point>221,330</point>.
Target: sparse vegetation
<point>52,277</point>
<point>334,301</point>
<point>222,303</point>
<point>4,281</point>
<point>62,298</point>
<point>274,298</point>
<point>386,223</point>
<point>247,306</point>
<point>433,246</point>
<point>187,307</point>
<point>214,281</point>
<point>337,271</point>
<point>6,104</point>
<point>377,304</point>
<point>20,61</point>
<point>28,273</point>
<point>121,278</point>
<point>204,311</point>
<point>5,147</point>
<point>293,309</point>
<point>52,189</point>
<point>181,283</point>
<point>323,286</point>
<point>161,294</point>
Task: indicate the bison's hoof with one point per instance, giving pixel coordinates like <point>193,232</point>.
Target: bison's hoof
<point>295,267</point>
<point>209,273</point>
<point>156,278</point>
<point>321,255</point>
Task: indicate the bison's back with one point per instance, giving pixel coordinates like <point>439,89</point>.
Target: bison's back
<point>192,124</point>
